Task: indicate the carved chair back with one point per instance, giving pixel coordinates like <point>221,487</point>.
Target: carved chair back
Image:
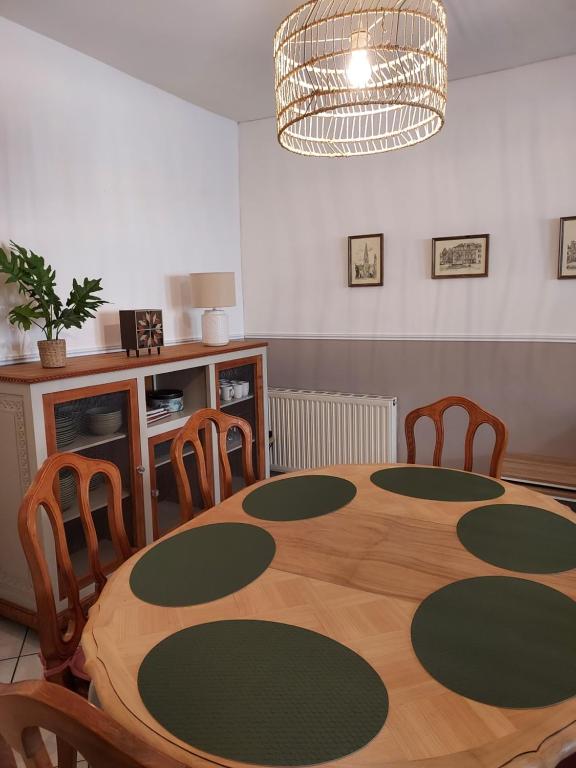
<point>476,417</point>
<point>27,707</point>
<point>60,634</point>
<point>190,433</point>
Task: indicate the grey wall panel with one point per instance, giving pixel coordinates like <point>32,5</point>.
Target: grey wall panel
<point>531,386</point>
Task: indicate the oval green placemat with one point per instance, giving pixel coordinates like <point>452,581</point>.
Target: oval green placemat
<point>519,538</point>
<point>299,498</point>
<point>202,564</point>
<point>262,692</point>
<point>437,484</point>
<point>503,641</point>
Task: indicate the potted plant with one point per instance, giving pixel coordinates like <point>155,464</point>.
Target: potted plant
<point>37,281</point>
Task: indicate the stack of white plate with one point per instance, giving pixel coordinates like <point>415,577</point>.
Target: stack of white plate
<point>68,424</point>
<point>104,420</point>
<point>67,488</point>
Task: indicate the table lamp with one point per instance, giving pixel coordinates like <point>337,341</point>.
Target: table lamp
<point>213,290</point>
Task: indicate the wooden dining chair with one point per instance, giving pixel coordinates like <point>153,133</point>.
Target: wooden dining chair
<point>190,433</point>
<point>60,632</point>
<point>27,707</point>
<point>476,417</point>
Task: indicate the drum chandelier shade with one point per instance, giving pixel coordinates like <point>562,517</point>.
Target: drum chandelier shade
<point>356,77</point>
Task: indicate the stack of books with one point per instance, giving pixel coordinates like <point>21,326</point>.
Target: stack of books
<point>155,414</point>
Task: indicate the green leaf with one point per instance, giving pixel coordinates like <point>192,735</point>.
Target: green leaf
<point>82,303</point>
<point>24,316</point>
<point>37,281</point>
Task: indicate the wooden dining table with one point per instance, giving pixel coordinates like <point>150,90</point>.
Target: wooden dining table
<point>357,575</point>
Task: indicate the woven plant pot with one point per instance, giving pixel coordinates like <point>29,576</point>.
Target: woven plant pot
<point>52,353</point>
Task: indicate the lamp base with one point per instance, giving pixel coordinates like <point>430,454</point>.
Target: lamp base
<point>215,328</point>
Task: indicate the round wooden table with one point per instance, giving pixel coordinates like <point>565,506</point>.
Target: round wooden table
<point>356,575</point>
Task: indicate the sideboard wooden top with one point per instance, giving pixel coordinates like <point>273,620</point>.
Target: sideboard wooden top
<point>87,365</point>
<point>540,470</point>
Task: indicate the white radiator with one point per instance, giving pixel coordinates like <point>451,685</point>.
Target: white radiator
<point>316,429</point>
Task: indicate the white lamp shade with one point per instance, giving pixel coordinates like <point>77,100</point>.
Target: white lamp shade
<point>213,289</point>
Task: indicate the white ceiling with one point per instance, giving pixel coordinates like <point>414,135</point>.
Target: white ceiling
<point>218,53</point>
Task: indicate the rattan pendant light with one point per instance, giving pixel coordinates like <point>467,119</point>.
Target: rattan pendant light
<point>356,77</point>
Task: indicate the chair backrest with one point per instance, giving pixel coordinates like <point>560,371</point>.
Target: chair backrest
<point>60,635</point>
<point>190,433</point>
<point>476,417</point>
<point>27,707</point>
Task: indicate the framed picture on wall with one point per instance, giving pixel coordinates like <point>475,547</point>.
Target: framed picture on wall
<point>365,260</point>
<point>567,259</point>
<point>464,256</point>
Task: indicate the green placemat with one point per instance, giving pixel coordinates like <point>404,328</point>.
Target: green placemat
<point>437,484</point>
<point>262,692</point>
<point>502,641</point>
<point>298,498</point>
<point>202,564</point>
<point>520,538</point>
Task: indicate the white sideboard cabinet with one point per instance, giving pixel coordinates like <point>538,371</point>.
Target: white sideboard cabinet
<point>47,410</point>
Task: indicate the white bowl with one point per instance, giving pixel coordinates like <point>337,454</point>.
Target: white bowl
<point>105,429</point>
<point>103,421</point>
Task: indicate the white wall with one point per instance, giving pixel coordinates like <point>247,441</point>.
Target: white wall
<point>505,163</point>
<point>108,177</point>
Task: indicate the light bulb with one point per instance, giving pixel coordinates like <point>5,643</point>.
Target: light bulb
<point>359,69</point>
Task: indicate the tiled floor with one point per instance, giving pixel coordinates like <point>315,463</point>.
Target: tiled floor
<point>19,661</point>
<point>18,653</point>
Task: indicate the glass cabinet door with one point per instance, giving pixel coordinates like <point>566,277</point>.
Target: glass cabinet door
<point>166,512</point>
<point>239,392</point>
<point>98,422</point>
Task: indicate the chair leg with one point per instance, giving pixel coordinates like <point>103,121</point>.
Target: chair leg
<point>66,755</point>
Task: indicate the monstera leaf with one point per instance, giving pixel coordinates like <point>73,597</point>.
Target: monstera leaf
<point>82,303</point>
<point>37,281</point>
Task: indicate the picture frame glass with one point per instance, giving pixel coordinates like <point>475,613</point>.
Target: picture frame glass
<point>365,257</point>
<point>568,248</point>
<point>465,256</point>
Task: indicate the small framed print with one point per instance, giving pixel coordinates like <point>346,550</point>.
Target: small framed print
<point>567,258</point>
<point>365,260</point>
<point>465,256</point>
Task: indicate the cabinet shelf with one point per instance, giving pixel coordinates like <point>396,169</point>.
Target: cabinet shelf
<point>178,419</point>
<point>161,461</point>
<point>164,459</point>
<point>170,422</point>
<point>98,500</point>
<point>81,562</point>
<point>237,446</point>
<point>235,401</point>
<point>82,442</point>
